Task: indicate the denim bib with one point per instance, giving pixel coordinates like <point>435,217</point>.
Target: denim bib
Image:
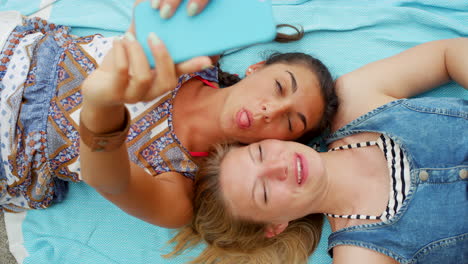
<point>432,225</point>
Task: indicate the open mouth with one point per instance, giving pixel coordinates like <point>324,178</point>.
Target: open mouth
<point>244,119</point>
<point>300,170</point>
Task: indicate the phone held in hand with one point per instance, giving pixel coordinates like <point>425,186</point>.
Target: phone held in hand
<point>221,26</point>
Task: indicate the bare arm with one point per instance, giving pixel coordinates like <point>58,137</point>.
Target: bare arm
<point>409,73</point>
<point>415,70</point>
<point>125,77</point>
<point>164,200</point>
<point>352,254</point>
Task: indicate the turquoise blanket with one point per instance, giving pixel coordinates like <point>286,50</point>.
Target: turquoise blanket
<point>344,34</point>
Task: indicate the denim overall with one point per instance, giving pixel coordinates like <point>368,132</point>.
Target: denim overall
<point>432,225</point>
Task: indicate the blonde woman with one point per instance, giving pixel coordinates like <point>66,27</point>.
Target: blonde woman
<point>393,184</point>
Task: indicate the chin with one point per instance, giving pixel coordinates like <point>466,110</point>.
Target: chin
<point>245,141</point>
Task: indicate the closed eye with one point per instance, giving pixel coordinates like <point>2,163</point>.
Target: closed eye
<point>279,88</point>
<point>265,193</point>
<point>260,152</point>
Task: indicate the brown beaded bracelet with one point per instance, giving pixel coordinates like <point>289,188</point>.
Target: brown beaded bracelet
<point>105,142</point>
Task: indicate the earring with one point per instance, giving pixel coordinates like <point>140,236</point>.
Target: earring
<point>249,70</point>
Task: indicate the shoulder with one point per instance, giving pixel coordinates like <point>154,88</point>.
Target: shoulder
<point>355,99</point>
<point>344,254</point>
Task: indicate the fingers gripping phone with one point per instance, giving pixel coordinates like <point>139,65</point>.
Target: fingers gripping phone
<point>221,26</point>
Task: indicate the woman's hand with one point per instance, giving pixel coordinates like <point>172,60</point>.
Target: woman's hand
<point>168,7</point>
<point>126,77</point>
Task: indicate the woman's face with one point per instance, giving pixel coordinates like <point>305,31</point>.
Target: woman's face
<point>272,181</point>
<point>278,101</point>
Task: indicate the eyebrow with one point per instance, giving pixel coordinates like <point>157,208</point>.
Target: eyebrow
<point>294,89</point>
<point>293,82</point>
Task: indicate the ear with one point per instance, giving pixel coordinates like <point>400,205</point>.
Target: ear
<point>272,230</point>
<point>215,59</point>
<point>254,67</point>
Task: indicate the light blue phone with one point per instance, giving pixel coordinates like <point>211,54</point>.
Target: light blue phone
<point>221,26</point>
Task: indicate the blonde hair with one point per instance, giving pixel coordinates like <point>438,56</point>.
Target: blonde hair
<point>233,240</point>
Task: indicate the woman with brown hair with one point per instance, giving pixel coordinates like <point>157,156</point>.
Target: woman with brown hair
<point>92,109</point>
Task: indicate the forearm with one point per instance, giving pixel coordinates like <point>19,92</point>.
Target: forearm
<point>414,71</point>
<point>456,61</point>
<point>124,183</point>
<point>106,171</point>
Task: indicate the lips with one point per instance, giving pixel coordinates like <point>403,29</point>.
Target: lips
<point>301,169</point>
<point>244,119</point>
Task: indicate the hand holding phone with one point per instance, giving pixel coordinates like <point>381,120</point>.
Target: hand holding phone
<point>223,25</point>
<point>193,8</point>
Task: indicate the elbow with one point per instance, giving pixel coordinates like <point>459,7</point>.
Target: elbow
<point>176,222</point>
<point>106,188</point>
<point>456,64</point>
<point>173,219</point>
<point>174,225</point>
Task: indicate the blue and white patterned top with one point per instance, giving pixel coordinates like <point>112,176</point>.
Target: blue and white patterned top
<point>41,69</point>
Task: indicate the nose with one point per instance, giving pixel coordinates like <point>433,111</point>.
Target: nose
<point>275,170</point>
<point>274,109</point>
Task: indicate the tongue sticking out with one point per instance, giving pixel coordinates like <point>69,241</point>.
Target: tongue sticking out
<point>244,120</point>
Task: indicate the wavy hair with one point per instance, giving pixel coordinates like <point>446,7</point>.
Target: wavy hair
<point>229,239</point>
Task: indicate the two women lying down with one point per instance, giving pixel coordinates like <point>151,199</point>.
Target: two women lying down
<point>393,183</point>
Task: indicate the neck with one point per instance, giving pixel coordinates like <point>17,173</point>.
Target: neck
<point>344,191</point>
<point>199,112</point>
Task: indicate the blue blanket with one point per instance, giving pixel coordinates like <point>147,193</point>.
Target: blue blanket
<point>344,34</point>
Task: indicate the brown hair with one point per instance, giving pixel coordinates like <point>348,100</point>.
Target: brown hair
<point>228,79</point>
<point>233,240</point>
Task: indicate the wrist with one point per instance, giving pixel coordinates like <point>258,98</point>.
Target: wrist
<point>99,139</point>
<point>102,119</point>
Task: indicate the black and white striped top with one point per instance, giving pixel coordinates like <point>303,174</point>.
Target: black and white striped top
<point>399,176</point>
